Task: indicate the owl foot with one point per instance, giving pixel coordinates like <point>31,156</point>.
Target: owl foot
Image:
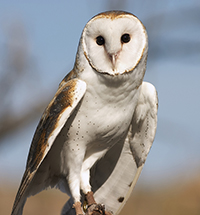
<point>77,206</point>
<point>93,207</point>
<point>96,209</point>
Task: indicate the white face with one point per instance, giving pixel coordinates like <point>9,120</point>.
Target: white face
<point>114,45</point>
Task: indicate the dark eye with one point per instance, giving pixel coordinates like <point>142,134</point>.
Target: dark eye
<point>100,40</point>
<point>125,38</point>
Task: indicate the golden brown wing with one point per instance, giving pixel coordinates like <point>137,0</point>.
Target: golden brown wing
<point>53,119</point>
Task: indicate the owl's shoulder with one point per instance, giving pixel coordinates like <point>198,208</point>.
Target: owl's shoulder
<point>71,75</point>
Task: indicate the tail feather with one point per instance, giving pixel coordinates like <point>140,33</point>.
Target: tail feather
<point>18,208</point>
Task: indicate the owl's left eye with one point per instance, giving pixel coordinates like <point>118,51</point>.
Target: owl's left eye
<point>125,38</point>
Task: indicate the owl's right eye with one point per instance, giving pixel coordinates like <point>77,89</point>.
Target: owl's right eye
<point>100,40</point>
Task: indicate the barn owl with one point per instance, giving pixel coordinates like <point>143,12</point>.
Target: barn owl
<point>94,136</point>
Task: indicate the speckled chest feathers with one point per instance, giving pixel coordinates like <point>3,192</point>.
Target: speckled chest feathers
<point>102,117</point>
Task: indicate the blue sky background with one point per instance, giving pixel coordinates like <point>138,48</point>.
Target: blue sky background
<point>52,31</point>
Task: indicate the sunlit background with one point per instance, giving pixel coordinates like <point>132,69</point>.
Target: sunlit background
<point>38,43</point>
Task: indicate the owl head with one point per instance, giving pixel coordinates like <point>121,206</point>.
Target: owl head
<point>114,42</point>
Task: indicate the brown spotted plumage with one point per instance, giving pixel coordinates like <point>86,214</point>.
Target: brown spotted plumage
<point>64,99</point>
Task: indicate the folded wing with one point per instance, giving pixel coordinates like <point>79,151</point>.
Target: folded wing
<point>53,119</point>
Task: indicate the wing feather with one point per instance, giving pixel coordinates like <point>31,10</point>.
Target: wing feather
<point>53,119</point>
<point>144,123</point>
<point>140,136</point>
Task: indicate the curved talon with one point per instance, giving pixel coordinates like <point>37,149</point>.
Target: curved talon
<point>96,209</point>
<point>100,209</point>
<point>85,206</point>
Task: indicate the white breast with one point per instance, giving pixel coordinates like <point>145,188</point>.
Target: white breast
<point>106,110</point>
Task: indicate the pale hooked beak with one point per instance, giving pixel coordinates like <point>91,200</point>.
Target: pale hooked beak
<point>113,59</point>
